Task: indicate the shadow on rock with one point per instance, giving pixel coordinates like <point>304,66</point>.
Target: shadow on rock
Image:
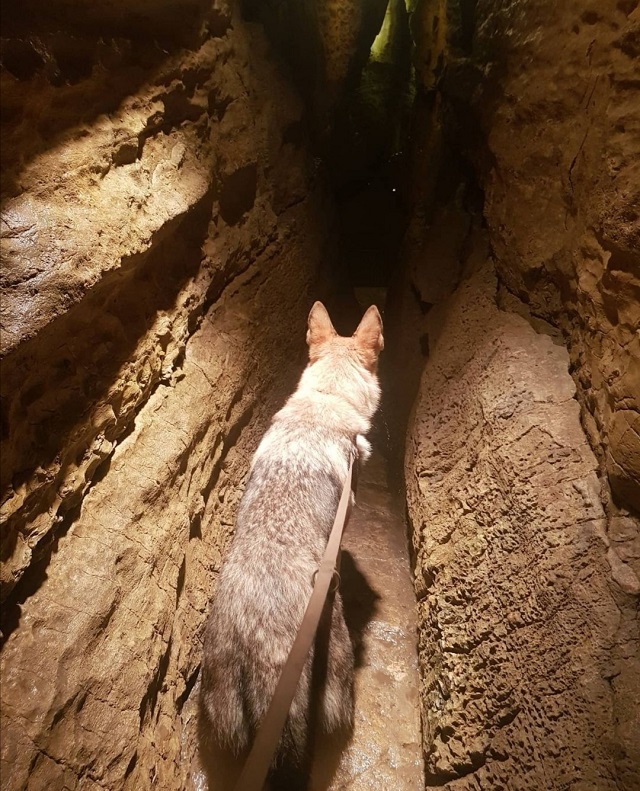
<point>359,600</point>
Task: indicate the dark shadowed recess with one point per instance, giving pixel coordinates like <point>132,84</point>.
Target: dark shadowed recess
<point>356,134</point>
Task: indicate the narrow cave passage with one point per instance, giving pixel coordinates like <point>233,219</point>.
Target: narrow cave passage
<point>180,181</point>
<point>363,161</point>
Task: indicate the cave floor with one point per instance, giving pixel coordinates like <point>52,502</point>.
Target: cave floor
<point>384,753</point>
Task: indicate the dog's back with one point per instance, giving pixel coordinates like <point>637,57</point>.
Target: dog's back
<point>283,523</point>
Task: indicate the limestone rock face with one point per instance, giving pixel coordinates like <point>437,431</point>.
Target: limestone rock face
<point>162,245</point>
<point>562,203</point>
<point>541,99</point>
<point>521,461</point>
<point>528,647</point>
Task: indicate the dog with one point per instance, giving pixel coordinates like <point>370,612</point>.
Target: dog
<point>283,523</point>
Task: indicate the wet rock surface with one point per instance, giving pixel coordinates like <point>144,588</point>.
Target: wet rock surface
<point>385,750</point>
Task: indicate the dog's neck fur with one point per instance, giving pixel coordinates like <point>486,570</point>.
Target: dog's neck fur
<point>327,377</point>
<point>321,396</point>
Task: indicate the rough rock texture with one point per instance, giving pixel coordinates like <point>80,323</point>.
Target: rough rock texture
<point>433,258</point>
<point>161,239</point>
<point>162,242</point>
<point>521,485</point>
<point>540,100</point>
<point>562,204</point>
<point>106,252</point>
<point>529,649</point>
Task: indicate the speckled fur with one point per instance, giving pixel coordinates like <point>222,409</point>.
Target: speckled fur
<point>283,524</point>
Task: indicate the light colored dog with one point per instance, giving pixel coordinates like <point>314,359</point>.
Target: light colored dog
<point>283,523</point>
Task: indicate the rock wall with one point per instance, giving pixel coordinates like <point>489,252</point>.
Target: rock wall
<point>163,233</point>
<point>562,204</point>
<point>541,100</point>
<point>528,646</point>
<point>162,240</point>
<point>521,459</point>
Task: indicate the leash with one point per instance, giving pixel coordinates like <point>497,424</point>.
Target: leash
<point>254,772</point>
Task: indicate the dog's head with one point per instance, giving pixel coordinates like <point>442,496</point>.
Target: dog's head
<point>364,346</point>
<point>345,367</point>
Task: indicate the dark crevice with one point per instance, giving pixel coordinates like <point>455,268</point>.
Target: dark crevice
<point>131,765</point>
<point>195,527</point>
<point>150,698</point>
<point>230,439</point>
<point>238,193</point>
<point>190,683</point>
<point>182,575</point>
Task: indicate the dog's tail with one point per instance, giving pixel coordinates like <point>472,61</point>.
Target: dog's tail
<point>222,704</point>
<point>292,764</point>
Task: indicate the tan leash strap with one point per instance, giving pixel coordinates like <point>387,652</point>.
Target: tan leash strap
<point>254,772</point>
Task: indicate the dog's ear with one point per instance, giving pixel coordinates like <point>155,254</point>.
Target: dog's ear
<point>369,338</point>
<point>320,328</point>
